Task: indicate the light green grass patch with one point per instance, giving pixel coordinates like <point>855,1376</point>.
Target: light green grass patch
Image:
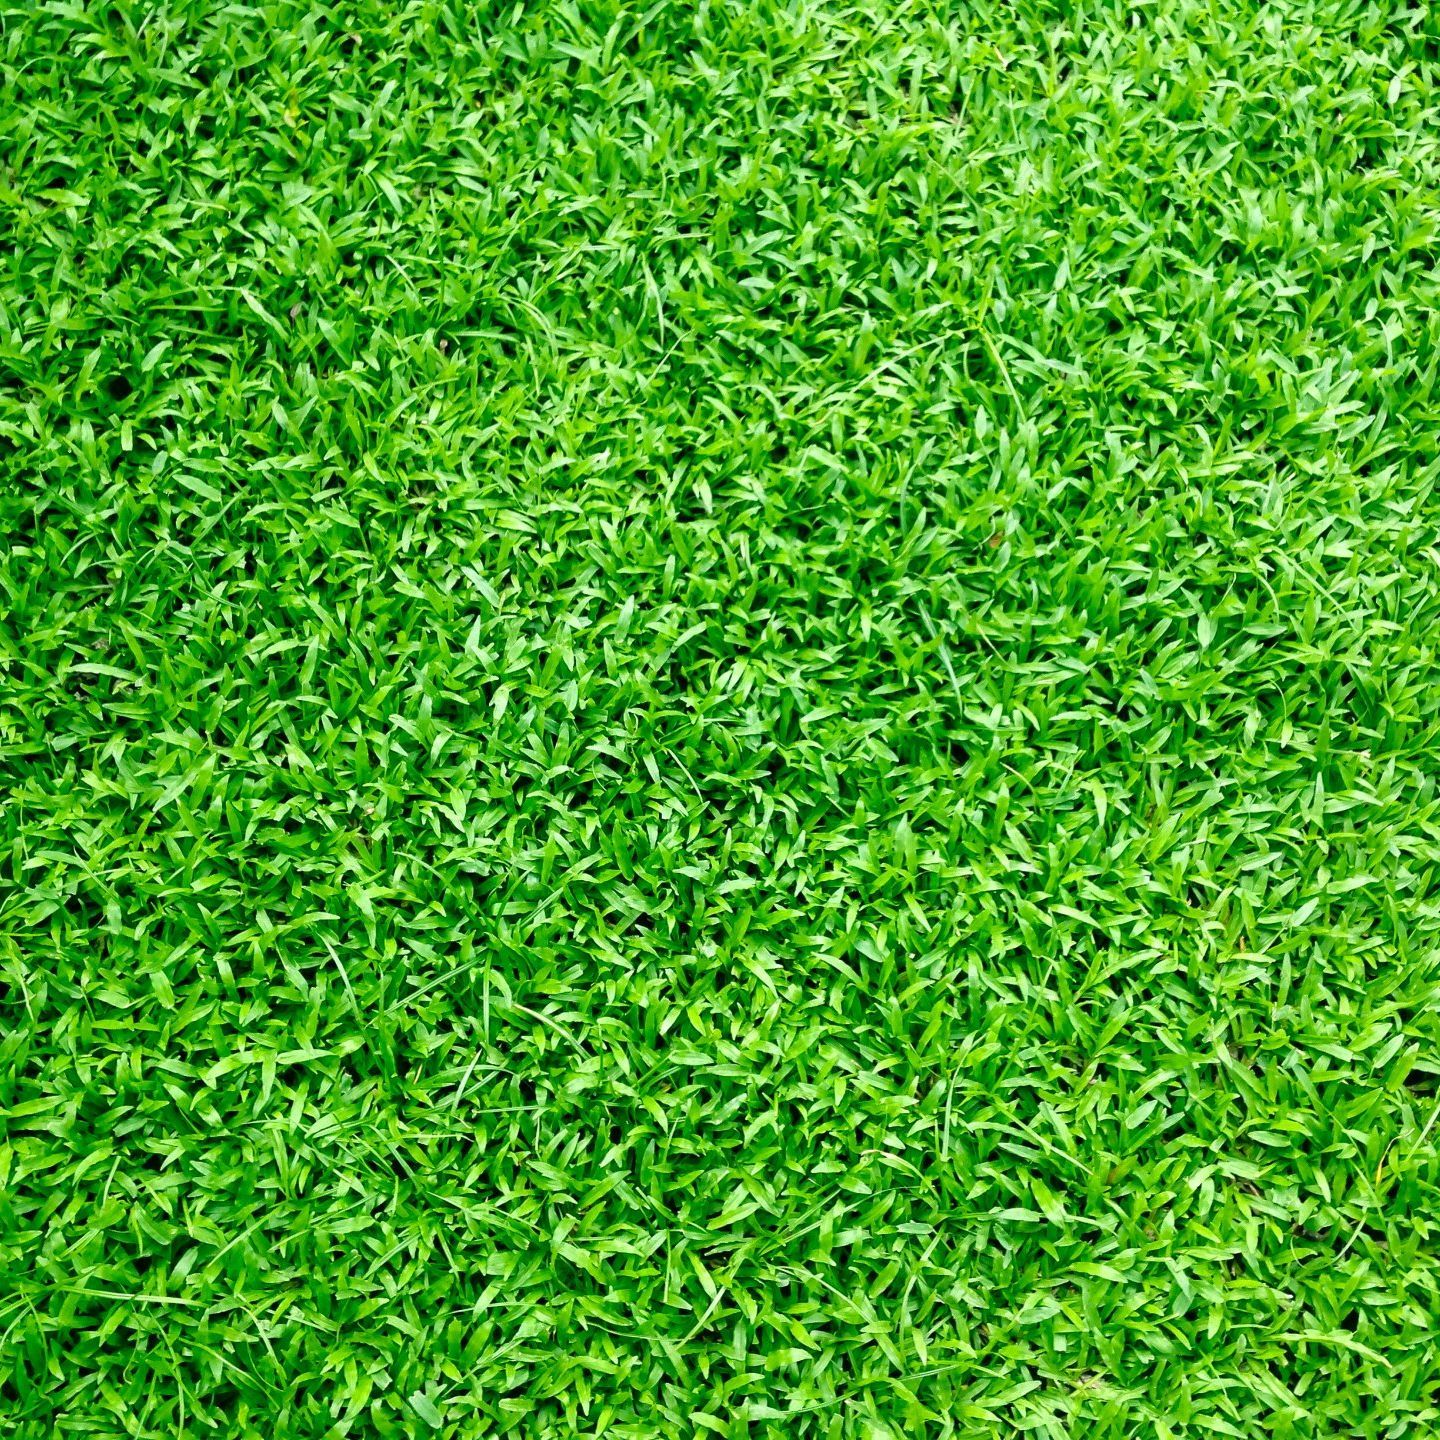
<point>719,720</point>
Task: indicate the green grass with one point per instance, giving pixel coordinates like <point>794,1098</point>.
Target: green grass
<point>719,721</point>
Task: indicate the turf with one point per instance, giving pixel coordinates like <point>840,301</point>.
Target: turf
<point>719,721</point>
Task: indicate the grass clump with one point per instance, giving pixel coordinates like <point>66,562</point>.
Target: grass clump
<point>719,720</point>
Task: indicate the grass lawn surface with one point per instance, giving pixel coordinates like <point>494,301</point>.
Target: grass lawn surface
<point>719,720</point>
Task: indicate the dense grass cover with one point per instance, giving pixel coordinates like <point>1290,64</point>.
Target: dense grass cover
<point>719,720</point>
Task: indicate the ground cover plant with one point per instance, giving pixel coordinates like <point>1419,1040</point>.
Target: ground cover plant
<point>719,720</point>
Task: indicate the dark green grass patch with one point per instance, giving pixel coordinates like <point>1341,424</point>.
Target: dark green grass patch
<point>719,720</point>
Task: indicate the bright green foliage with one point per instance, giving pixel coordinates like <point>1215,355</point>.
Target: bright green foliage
<point>719,720</point>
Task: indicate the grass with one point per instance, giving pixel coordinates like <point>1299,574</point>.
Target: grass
<point>719,721</point>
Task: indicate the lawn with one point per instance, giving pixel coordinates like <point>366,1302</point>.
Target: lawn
<point>719,720</point>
